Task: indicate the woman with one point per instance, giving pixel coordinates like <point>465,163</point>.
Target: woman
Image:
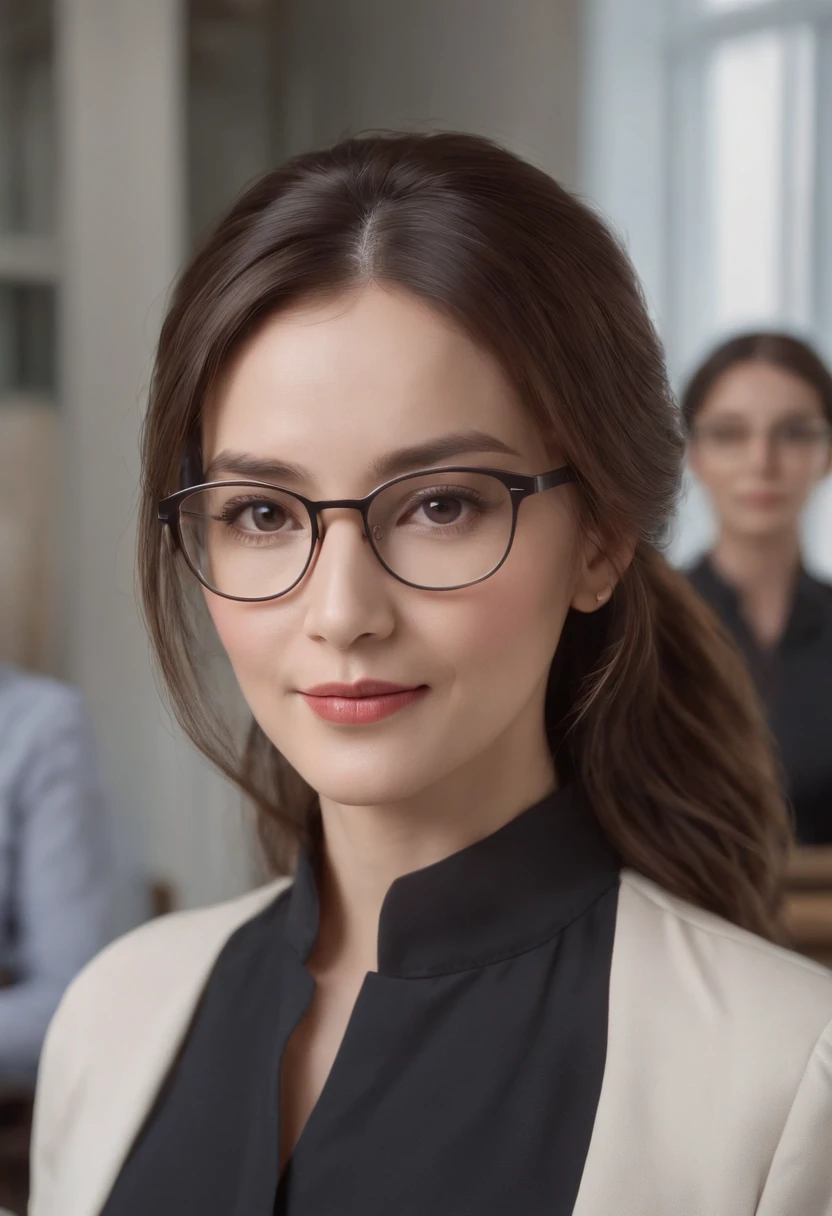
<point>759,413</point>
<point>410,430</point>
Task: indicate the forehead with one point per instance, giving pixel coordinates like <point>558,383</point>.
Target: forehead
<point>761,390</point>
<point>343,381</point>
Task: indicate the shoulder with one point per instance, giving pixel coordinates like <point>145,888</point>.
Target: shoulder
<point>697,570</point>
<point>119,1025</point>
<point>743,1032</point>
<point>822,589</point>
<point>176,951</point>
<point>700,575</point>
<point>37,714</point>
<point>27,700</point>
<point>152,976</point>
<point>135,978</point>
<point>773,990</point>
<point>718,1079</point>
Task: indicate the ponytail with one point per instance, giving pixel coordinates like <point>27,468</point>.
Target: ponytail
<point>668,737</point>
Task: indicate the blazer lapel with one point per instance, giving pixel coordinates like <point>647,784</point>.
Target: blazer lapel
<point>683,1068</point>
<point>648,1110</point>
<point>117,1100</point>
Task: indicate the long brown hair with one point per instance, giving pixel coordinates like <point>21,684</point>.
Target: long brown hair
<point>786,351</point>
<point>648,702</point>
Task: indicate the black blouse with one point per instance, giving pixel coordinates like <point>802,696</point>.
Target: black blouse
<point>794,680</point>
<point>469,1075</point>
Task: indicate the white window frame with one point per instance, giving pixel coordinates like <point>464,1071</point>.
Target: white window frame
<point>640,102</point>
<point>691,35</point>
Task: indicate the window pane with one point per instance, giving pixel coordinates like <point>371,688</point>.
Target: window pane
<point>27,340</point>
<point>723,4</point>
<point>27,151</point>
<point>745,97</point>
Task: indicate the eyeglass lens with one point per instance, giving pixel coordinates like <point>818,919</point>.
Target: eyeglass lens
<point>792,435</point>
<point>433,530</point>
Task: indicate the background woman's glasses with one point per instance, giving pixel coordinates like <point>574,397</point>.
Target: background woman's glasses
<point>440,529</point>
<point>790,438</point>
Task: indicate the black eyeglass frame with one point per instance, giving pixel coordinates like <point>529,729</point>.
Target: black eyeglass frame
<point>821,434</point>
<point>519,485</point>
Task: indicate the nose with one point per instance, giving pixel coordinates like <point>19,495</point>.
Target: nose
<point>762,452</point>
<point>347,590</point>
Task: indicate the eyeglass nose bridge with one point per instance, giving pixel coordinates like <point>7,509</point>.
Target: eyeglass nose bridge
<point>338,504</point>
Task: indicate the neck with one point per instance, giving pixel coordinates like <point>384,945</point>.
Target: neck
<point>762,570</point>
<point>366,848</point>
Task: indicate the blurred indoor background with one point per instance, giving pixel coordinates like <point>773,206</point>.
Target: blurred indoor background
<point>701,128</point>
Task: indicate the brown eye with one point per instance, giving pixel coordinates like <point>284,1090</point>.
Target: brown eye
<point>266,516</point>
<point>728,434</point>
<point>800,433</point>
<point>442,510</point>
<point>260,515</point>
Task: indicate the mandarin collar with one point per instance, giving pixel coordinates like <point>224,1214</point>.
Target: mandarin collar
<point>494,899</point>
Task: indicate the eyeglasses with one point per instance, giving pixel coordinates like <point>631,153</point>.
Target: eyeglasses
<point>792,437</point>
<point>436,530</point>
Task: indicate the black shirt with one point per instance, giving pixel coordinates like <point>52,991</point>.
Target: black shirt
<point>794,679</point>
<point>469,1075</point>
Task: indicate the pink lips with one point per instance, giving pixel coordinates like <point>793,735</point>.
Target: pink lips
<point>360,703</point>
<point>762,500</point>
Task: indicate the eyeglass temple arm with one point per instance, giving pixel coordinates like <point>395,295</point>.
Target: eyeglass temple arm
<point>557,477</point>
<point>190,474</point>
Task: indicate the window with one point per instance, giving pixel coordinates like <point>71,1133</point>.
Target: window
<point>28,264</point>
<point>708,142</point>
<point>748,172</point>
<point>749,137</point>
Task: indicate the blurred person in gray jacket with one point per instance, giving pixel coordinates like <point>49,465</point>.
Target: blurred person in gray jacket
<point>54,858</point>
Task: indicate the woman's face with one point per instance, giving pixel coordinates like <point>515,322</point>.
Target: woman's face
<point>335,388</point>
<point>760,446</point>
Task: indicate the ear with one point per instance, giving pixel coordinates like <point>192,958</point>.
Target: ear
<point>599,572</point>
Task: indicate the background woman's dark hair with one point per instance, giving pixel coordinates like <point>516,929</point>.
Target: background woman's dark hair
<point>781,350</point>
<point>648,703</point>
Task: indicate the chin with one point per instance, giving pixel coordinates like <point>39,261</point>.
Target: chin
<point>378,789</point>
<point>372,775</point>
<point>763,525</point>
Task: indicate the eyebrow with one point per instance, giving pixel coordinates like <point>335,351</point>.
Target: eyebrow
<point>402,460</point>
<point>797,413</point>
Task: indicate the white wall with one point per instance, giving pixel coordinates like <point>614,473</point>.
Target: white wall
<point>625,142</point>
<point>120,105</point>
<point>624,132</point>
<point>505,68</point>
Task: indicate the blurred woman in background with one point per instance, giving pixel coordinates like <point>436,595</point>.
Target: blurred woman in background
<point>759,413</point>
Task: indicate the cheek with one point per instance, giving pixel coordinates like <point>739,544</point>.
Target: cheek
<point>808,473</point>
<point>716,478</point>
<point>249,634</point>
<point>515,617</point>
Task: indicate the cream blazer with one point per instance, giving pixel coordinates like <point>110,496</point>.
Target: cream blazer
<point>716,1099</point>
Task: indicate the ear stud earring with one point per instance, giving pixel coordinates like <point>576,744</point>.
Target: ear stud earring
<point>603,595</point>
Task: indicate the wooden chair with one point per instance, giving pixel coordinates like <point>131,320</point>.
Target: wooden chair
<point>807,910</point>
